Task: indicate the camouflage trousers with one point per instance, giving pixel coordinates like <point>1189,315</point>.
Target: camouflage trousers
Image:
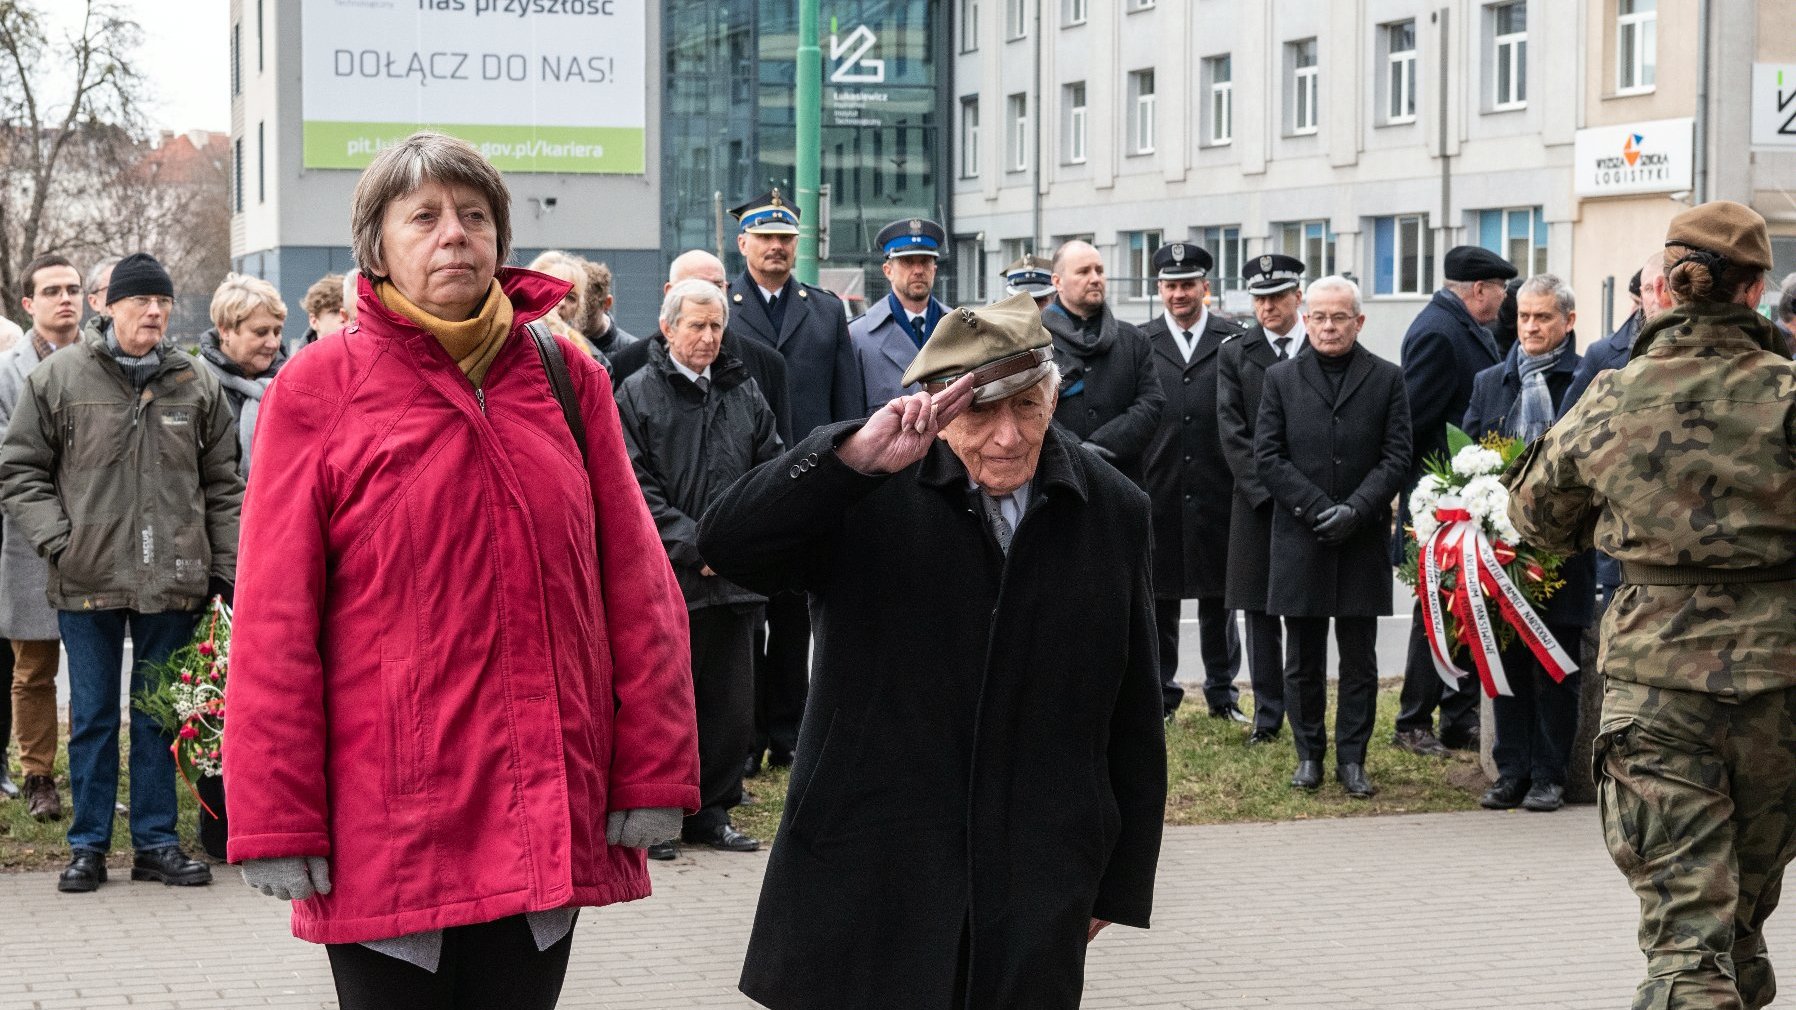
<point>1698,799</point>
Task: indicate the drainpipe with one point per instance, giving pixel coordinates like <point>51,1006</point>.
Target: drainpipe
<point>1035,241</point>
<point>1442,104</point>
<point>1702,102</point>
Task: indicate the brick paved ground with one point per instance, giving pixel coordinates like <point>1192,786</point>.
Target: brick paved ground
<point>1449,912</point>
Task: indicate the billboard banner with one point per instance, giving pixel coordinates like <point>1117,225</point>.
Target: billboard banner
<point>1655,157</point>
<point>537,85</point>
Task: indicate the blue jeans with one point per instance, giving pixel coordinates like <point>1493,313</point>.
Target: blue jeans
<point>95,641</point>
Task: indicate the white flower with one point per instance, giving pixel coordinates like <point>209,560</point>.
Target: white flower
<point>1425,525</point>
<point>1476,460</point>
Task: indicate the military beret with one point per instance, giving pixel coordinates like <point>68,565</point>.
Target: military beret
<point>1030,275</point>
<point>1732,231</point>
<point>1182,261</point>
<point>767,214</point>
<point>1272,273</point>
<point>1476,263</point>
<point>913,236</point>
<point>1004,345</point>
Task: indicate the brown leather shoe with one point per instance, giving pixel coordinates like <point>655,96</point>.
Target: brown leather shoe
<point>41,798</point>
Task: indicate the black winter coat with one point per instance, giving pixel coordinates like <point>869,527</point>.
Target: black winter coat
<point>764,365</point>
<point>1109,394</point>
<point>1316,449</point>
<point>688,447</point>
<point>982,741</point>
<point>1442,352</point>
<point>823,373</point>
<point>1240,372</point>
<point>1493,396</point>
<point>1610,352</point>
<point>1188,480</point>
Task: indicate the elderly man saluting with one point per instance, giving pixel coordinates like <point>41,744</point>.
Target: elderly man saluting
<point>970,872</point>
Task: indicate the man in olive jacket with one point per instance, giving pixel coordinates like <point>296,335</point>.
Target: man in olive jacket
<point>120,468</point>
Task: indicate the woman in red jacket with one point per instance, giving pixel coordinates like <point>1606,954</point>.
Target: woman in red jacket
<point>456,715</point>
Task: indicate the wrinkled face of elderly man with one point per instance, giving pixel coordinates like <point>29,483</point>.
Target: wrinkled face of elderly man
<point>1540,325</point>
<point>696,333</point>
<point>999,442</point>
<point>1334,320</point>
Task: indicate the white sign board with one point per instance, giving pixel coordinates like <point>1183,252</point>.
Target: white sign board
<point>537,85</point>
<point>1655,157</point>
<point>1774,105</point>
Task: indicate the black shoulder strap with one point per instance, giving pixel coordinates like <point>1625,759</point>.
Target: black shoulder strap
<point>560,382</point>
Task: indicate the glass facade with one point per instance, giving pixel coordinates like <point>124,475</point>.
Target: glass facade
<point>729,125</point>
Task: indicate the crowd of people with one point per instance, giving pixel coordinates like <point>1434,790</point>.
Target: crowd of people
<point>522,599</point>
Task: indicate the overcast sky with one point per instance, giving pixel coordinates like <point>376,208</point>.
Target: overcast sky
<point>185,58</point>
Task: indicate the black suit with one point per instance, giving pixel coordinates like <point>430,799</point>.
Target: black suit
<point>1190,486</point>
<point>1241,367</point>
<point>1323,440</point>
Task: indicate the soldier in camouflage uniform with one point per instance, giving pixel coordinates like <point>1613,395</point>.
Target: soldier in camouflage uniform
<point>1682,466</point>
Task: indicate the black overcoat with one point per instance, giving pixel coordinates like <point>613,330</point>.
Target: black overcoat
<point>1109,393</point>
<point>1188,480</point>
<point>1240,372</point>
<point>1316,449</point>
<point>982,741</point>
<point>823,375</point>
<point>764,365</point>
<point>1493,396</point>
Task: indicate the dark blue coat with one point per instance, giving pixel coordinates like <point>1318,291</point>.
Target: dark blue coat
<point>1442,353</point>
<point>823,376</point>
<point>1493,395</point>
<point>1610,352</point>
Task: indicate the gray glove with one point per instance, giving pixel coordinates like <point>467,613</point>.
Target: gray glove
<point>290,878</point>
<point>643,827</point>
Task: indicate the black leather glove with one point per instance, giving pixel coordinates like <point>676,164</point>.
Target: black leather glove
<point>1336,523</point>
<point>216,586</point>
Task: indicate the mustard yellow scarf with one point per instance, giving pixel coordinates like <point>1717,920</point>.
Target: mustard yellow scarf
<point>473,343</point>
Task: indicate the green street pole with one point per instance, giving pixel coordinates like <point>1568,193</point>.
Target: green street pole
<point>807,171</point>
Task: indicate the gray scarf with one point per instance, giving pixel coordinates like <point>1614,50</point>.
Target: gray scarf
<point>1532,412</point>
<point>252,390</point>
<point>139,369</point>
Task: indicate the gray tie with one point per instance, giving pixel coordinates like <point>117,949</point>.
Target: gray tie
<point>1000,525</point>
<point>702,383</point>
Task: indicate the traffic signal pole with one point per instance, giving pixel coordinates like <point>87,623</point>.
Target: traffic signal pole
<point>807,171</point>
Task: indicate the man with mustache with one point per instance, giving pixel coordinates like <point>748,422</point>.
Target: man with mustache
<point>893,330</point>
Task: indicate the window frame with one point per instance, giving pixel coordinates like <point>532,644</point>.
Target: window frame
<point>1220,108</point>
<point>1224,242</point>
<point>1016,20</point>
<point>1306,87</point>
<point>1078,119</point>
<point>1423,236</point>
<point>969,137</point>
<point>1317,230</point>
<point>969,26</point>
<point>1075,12</point>
<point>1139,247</point>
<point>1143,112</point>
<point>1016,114</point>
<point>1516,60</point>
<point>1637,32</point>
<point>1400,74</point>
<point>1537,237</point>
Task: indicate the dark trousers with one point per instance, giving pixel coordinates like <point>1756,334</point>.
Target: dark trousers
<point>723,688</point>
<point>1266,669</point>
<point>782,673</point>
<point>1536,725</point>
<point>492,964</point>
<point>1306,686</point>
<point>1424,691</point>
<point>1218,643</point>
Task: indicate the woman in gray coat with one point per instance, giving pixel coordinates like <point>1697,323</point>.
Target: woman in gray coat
<point>243,349</point>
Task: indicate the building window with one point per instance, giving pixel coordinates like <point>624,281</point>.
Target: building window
<point>1224,243</point>
<point>1402,255</point>
<point>262,162</point>
<point>1076,12</point>
<point>969,25</point>
<point>970,269</point>
<point>1016,18</point>
<point>1400,72</point>
<point>1313,242</point>
<point>1141,246</point>
<point>1509,55</point>
<point>237,175</point>
<point>1636,45</point>
<point>969,138</point>
<point>1074,100</point>
<point>1017,137</point>
<point>236,59</point>
<point>1219,77</point>
<point>1301,56</point>
<point>1141,112</point>
<point>1140,5</point>
<point>1518,234</point>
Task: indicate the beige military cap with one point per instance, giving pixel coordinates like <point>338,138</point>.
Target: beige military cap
<point>1733,231</point>
<point>1004,345</point>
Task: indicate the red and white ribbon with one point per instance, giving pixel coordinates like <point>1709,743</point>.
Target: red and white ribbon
<point>1459,542</point>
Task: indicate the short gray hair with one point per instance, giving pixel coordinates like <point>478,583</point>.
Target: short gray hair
<point>100,274</point>
<point>1550,284</point>
<point>691,290</point>
<point>1335,282</point>
<point>401,169</point>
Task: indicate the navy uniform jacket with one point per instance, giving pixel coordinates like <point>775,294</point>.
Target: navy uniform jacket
<point>1443,352</point>
<point>884,348</point>
<point>823,377</point>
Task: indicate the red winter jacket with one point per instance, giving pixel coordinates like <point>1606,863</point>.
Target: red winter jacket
<point>438,679</point>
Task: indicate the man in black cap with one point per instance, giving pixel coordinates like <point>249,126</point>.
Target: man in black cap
<point>1109,395</point>
<point>1033,275</point>
<point>888,337</point>
<point>1278,335</point>
<point>809,327</point>
<point>1446,347</point>
<point>1189,482</point>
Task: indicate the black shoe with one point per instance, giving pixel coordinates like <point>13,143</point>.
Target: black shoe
<point>1260,736</point>
<point>1504,794</point>
<point>1420,742</point>
<point>1308,776</point>
<point>778,757</point>
<point>725,837</point>
<point>1466,741</point>
<point>665,850</point>
<point>86,872</point>
<point>752,767</point>
<point>1545,797</point>
<point>1231,712</point>
<point>171,866</point>
<point>1353,779</point>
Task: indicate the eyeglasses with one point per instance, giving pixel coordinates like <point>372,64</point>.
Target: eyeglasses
<point>162,302</point>
<point>1338,319</point>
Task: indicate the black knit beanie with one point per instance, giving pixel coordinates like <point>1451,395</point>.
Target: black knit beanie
<point>138,274</point>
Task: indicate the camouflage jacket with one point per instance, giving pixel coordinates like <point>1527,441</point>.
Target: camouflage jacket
<point>1685,457</point>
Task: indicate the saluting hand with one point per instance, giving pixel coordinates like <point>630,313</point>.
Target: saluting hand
<point>900,433</point>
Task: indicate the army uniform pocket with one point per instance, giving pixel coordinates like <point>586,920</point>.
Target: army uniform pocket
<point>1621,807</point>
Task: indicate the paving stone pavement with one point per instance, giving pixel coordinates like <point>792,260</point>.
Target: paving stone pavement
<point>1444,911</point>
